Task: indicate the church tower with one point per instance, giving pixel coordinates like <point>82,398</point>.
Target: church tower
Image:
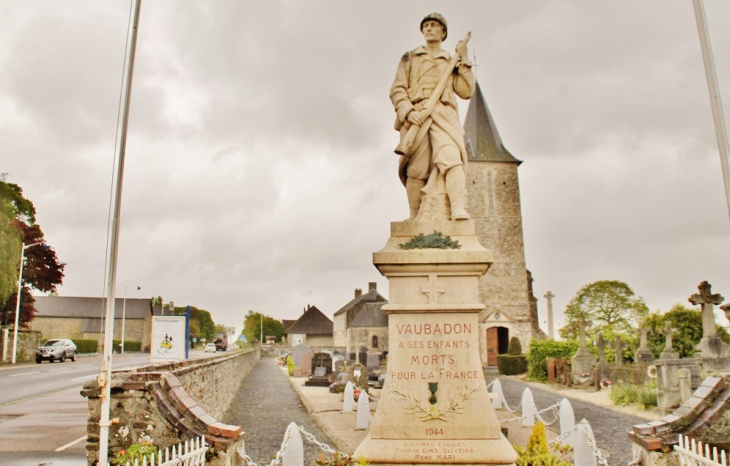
<point>494,205</point>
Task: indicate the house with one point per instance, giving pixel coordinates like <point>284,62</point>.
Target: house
<point>362,322</point>
<point>82,318</point>
<point>313,328</point>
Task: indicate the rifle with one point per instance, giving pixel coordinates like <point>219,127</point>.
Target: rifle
<point>405,144</point>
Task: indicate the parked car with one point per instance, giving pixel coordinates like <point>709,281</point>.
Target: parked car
<point>56,350</point>
<point>210,348</point>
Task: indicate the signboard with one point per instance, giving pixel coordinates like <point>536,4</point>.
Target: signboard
<point>242,337</point>
<point>168,338</point>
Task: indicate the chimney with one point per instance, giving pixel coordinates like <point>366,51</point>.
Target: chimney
<point>372,286</point>
<point>358,292</point>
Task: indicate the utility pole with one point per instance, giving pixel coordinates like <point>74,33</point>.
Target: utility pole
<point>106,369</point>
<point>549,295</point>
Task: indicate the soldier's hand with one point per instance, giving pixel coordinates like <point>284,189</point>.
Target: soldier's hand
<point>415,118</point>
<point>462,50</point>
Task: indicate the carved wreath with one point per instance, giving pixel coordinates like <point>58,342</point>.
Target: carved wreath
<point>435,240</point>
<point>454,402</point>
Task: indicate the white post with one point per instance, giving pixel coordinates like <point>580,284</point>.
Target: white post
<point>293,454</point>
<point>363,411</point>
<point>567,421</point>
<point>349,398</point>
<point>5,344</point>
<point>528,408</point>
<point>551,333</point>
<point>497,394</point>
<point>582,450</point>
<point>716,101</point>
<point>17,299</point>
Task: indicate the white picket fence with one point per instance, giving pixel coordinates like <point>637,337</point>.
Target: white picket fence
<point>189,453</point>
<point>693,453</point>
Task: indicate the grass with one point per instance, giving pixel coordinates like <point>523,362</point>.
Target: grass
<point>643,395</point>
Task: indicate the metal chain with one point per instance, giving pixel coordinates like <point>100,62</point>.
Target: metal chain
<point>277,459</point>
<point>506,405</point>
<point>592,443</point>
<point>562,436</point>
<point>537,413</point>
<point>322,446</point>
<point>554,408</point>
<point>489,385</point>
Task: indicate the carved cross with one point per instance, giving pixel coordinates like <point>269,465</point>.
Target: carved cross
<point>643,331</point>
<point>582,326</point>
<point>433,290</point>
<point>707,300</point>
<point>668,336</point>
<point>601,347</point>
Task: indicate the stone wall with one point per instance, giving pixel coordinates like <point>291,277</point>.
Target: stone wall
<point>363,337</point>
<point>28,341</point>
<point>73,327</point>
<point>171,403</point>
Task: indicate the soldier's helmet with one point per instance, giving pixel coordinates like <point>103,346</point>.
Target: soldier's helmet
<point>439,18</point>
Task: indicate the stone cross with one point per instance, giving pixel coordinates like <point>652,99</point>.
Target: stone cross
<point>618,349</point>
<point>433,290</point>
<point>668,336</point>
<point>643,331</point>
<point>549,295</point>
<point>582,328</point>
<point>707,300</point>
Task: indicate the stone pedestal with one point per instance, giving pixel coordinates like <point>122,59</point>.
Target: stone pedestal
<point>435,408</point>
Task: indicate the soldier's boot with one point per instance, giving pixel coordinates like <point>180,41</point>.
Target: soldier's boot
<point>456,189</point>
<point>413,191</point>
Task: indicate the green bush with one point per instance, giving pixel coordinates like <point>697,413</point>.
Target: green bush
<point>85,345</point>
<point>537,453</point>
<point>290,365</point>
<point>515,347</point>
<point>540,350</point>
<point>644,395</point>
<point>512,364</point>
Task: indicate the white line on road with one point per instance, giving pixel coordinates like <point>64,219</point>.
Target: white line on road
<point>24,373</point>
<point>84,378</point>
<point>71,444</point>
<point>59,370</point>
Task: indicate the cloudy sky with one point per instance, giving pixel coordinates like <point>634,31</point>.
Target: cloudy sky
<point>260,171</point>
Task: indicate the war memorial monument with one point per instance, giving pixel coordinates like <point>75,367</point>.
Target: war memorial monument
<point>435,407</point>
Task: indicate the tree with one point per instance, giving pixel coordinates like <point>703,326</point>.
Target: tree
<point>610,305</point>
<point>42,270</point>
<point>201,323</point>
<point>252,327</point>
<point>221,329</point>
<point>686,330</point>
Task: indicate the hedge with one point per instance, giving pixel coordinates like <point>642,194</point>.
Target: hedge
<point>85,346</point>
<point>540,350</point>
<point>511,364</point>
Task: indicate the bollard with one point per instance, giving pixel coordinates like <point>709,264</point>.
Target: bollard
<point>363,411</point>
<point>567,421</point>
<point>582,450</point>
<point>528,408</point>
<point>497,395</point>
<point>349,402</point>
<point>293,454</point>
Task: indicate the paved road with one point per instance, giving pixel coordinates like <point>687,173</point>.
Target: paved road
<point>266,405</point>
<point>609,427</point>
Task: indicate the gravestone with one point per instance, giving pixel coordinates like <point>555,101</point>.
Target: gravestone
<point>335,359</point>
<point>322,367</point>
<point>714,352</point>
<point>362,356</point>
<point>618,351</point>
<point>306,370</point>
<point>435,407</point>
<point>603,369</point>
<point>643,356</point>
<point>296,356</point>
<point>669,351</point>
<point>583,362</point>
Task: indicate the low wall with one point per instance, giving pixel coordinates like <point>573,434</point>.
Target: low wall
<point>171,403</point>
<point>28,341</point>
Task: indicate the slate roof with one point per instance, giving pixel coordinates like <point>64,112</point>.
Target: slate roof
<point>369,297</point>
<point>85,307</point>
<point>371,315</point>
<point>482,140</point>
<point>312,322</point>
<point>287,323</point>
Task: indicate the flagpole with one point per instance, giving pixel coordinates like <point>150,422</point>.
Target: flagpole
<point>106,370</point>
<point>714,88</point>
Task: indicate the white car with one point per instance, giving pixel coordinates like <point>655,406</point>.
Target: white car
<point>210,348</point>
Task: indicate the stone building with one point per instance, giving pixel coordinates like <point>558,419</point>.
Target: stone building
<point>361,322</point>
<point>81,317</point>
<point>494,206</point>
<point>313,328</point>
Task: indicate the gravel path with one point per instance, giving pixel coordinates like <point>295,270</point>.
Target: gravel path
<point>265,406</point>
<point>609,427</point>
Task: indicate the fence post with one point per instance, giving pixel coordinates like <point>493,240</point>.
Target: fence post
<point>567,421</point>
<point>528,408</point>
<point>293,454</point>
<point>497,394</point>
<point>349,398</point>
<point>363,411</point>
<point>582,450</point>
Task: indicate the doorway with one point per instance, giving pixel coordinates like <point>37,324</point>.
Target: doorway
<point>497,343</point>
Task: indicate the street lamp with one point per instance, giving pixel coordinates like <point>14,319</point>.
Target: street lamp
<point>17,300</point>
<point>124,313</point>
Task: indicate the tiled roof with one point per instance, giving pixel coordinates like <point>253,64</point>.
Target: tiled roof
<point>371,315</point>
<point>312,322</point>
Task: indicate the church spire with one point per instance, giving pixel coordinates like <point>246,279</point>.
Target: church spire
<point>483,143</point>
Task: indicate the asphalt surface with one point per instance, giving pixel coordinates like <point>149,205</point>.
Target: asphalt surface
<point>609,427</point>
<point>265,406</point>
